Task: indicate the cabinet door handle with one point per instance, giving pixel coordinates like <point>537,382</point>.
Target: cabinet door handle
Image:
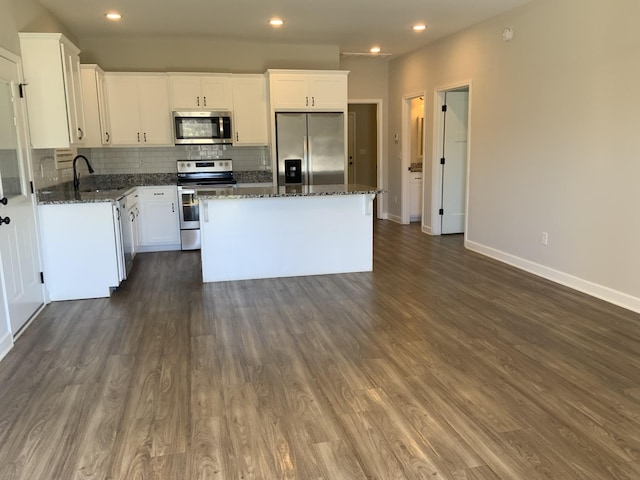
<point>118,214</point>
<point>138,137</point>
<point>173,207</point>
<point>313,101</point>
<point>80,133</point>
<point>5,220</point>
<point>306,101</point>
<point>205,101</point>
<point>132,216</point>
<point>198,101</point>
<point>107,137</point>
<point>237,137</point>
<point>4,200</point>
<point>145,137</point>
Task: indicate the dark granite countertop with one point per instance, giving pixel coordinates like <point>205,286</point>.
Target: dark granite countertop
<point>291,191</point>
<point>61,195</point>
<point>110,188</point>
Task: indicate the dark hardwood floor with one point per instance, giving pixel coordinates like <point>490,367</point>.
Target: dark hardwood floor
<point>441,364</point>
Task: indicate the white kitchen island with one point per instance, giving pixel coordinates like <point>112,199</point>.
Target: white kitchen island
<point>268,232</point>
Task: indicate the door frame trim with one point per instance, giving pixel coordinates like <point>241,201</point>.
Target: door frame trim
<point>438,143</point>
<point>352,138</point>
<point>382,211</point>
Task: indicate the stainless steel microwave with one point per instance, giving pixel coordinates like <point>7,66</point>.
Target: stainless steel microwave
<point>202,128</point>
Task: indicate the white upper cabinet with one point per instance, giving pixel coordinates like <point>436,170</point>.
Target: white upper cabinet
<point>200,92</point>
<point>96,116</point>
<point>139,109</point>
<point>308,90</point>
<point>51,65</point>
<point>250,117</point>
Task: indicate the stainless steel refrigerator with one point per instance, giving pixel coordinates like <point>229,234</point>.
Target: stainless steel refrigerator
<point>310,148</point>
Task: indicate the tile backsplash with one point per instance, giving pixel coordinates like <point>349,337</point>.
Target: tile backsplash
<point>45,173</point>
<point>117,160</point>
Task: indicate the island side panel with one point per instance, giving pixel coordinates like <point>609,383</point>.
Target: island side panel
<point>79,250</point>
<point>253,238</point>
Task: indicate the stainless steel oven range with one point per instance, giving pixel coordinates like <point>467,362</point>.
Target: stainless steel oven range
<point>196,175</point>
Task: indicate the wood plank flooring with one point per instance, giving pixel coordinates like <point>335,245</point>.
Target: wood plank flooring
<point>441,364</point>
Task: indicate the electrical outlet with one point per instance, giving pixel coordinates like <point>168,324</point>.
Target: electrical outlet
<point>545,238</point>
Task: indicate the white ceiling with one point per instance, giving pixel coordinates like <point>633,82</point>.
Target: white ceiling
<point>353,25</point>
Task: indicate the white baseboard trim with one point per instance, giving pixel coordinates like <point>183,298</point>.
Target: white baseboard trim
<point>607,294</point>
<point>427,229</point>
<point>29,322</point>
<point>394,218</point>
<point>6,344</point>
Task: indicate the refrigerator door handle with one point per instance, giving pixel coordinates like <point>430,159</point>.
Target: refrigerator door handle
<point>309,160</point>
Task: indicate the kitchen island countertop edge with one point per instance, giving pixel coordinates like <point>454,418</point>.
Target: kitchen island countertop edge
<point>284,191</point>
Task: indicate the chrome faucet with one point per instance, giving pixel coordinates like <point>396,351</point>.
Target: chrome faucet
<point>76,175</point>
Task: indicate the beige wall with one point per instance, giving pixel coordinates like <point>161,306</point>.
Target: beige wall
<point>204,54</point>
<point>554,129</point>
<point>369,80</point>
<point>368,77</point>
<point>26,16</point>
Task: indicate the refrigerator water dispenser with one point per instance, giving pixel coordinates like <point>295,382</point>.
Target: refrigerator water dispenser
<point>293,171</point>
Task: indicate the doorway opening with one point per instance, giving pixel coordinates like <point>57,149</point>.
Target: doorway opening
<point>416,137</point>
<point>412,158</point>
<point>365,146</point>
<point>450,166</point>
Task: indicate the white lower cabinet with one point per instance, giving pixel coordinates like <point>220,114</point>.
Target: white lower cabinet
<point>133,212</point>
<point>158,220</point>
<point>81,245</point>
<point>415,189</point>
<point>129,224</point>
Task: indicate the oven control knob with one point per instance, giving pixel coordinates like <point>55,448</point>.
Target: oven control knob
<point>188,165</point>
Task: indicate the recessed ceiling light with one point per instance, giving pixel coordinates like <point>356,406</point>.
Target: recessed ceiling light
<point>276,22</point>
<point>420,27</point>
<point>113,16</point>
<point>374,49</point>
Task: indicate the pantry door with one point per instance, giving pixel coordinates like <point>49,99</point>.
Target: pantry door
<point>23,292</point>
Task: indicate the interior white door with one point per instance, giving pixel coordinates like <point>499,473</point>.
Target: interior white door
<point>19,253</point>
<point>454,170</point>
